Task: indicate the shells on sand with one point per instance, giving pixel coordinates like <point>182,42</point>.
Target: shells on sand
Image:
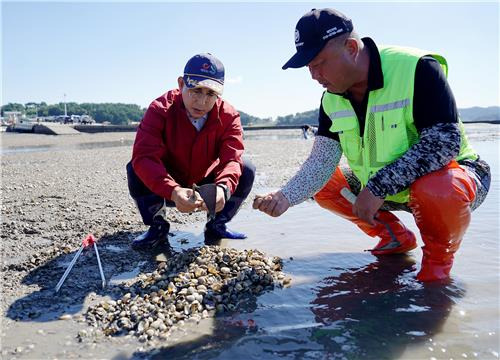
<point>190,286</point>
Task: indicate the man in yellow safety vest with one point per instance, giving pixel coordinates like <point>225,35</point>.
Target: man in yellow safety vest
<point>391,112</point>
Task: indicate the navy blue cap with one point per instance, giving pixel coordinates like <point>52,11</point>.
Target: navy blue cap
<point>204,70</point>
<point>313,31</point>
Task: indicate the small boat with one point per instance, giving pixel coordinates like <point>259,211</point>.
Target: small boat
<point>24,125</point>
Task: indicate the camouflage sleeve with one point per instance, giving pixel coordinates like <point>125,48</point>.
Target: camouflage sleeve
<point>437,146</point>
<point>315,171</point>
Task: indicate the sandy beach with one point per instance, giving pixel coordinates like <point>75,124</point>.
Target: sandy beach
<point>56,190</point>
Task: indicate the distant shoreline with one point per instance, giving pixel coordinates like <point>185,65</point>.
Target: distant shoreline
<point>118,128</point>
<point>40,128</point>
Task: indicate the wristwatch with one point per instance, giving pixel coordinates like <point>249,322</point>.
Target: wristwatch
<point>225,189</point>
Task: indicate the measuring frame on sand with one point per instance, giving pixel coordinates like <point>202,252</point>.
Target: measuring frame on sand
<point>88,241</point>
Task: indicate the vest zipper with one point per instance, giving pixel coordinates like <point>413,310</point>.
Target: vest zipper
<point>382,122</point>
<point>363,157</point>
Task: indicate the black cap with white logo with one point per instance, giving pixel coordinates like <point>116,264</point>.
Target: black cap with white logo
<point>313,31</point>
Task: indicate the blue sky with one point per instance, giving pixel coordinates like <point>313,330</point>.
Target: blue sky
<point>133,52</point>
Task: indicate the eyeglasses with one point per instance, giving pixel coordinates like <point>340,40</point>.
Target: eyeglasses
<point>198,95</point>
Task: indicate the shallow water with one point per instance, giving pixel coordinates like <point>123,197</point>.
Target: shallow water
<point>343,303</point>
<point>347,304</point>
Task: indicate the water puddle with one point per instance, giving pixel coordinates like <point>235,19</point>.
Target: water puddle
<point>126,276</point>
<point>115,248</point>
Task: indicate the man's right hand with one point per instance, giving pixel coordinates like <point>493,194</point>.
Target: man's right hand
<point>185,201</point>
<point>273,204</point>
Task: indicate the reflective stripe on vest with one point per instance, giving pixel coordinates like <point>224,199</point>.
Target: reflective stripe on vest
<point>389,128</point>
<point>390,106</point>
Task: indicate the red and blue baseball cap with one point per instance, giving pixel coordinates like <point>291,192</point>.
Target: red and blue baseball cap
<point>205,70</point>
<point>313,31</point>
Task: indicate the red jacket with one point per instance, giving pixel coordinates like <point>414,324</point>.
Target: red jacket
<point>169,151</point>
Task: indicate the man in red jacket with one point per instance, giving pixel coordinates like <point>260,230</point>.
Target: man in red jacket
<point>189,136</point>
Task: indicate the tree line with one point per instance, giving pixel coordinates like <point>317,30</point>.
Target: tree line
<point>307,117</point>
<point>123,114</point>
<point>115,113</point>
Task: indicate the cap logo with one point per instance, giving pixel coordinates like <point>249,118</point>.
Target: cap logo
<point>191,82</point>
<point>332,32</point>
<point>297,38</point>
<point>208,68</point>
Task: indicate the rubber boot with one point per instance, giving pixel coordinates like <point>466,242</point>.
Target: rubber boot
<point>216,229</point>
<point>157,234</point>
<point>440,202</point>
<point>330,198</point>
<point>405,239</point>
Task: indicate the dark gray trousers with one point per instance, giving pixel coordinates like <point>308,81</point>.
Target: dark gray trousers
<point>149,203</point>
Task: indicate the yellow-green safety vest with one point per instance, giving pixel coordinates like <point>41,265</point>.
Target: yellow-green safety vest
<point>389,128</point>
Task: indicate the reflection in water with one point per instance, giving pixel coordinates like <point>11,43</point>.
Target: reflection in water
<point>369,311</point>
<point>376,311</point>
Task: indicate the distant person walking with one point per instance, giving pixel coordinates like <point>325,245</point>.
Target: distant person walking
<point>189,136</point>
<point>391,112</point>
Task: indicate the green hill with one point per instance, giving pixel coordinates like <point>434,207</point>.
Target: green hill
<point>478,113</point>
<point>466,114</point>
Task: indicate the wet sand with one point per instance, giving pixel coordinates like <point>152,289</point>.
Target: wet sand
<point>57,189</point>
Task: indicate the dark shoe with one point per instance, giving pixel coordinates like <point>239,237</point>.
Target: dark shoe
<point>155,236</point>
<point>220,231</point>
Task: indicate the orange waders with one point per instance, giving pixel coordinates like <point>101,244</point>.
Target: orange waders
<point>440,204</point>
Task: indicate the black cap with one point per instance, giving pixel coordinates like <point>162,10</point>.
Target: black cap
<point>313,31</point>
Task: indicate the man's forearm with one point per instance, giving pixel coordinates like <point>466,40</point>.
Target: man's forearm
<point>315,172</point>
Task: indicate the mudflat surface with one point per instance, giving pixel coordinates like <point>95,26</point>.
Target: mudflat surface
<point>58,189</point>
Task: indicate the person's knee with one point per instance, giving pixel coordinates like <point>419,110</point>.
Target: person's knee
<point>130,171</point>
<point>247,173</point>
<point>332,187</point>
<point>322,198</point>
<point>132,181</point>
<point>324,194</point>
<point>331,190</point>
<point>136,187</point>
<point>444,187</point>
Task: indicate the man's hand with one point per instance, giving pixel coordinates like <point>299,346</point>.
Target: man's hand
<point>220,200</point>
<point>273,204</point>
<point>186,200</point>
<point>366,206</point>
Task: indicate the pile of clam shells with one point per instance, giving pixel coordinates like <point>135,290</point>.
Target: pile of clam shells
<point>191,285</point>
